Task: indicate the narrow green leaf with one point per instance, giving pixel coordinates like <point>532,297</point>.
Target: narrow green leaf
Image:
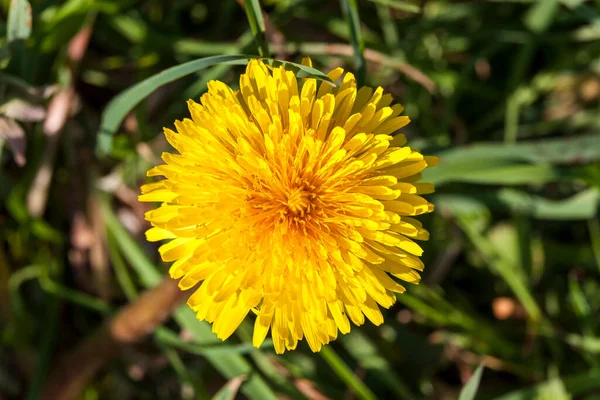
<point>257,25</point>
<point>579,149</point>
<point>587,344</point>
<point>19,20</point>
<point>574,385</point>
<point>350,10</point>
<point>399,5</point>
<point>368,356</point>
<point>539,17</point>
<point>229,391</point>
<point>594,230</point>
<point>345,373</point>
<point>580,206</point>
<point>497,163</point>
<point>121,105</point>
<point>504,267</point>
<point>469,391</point>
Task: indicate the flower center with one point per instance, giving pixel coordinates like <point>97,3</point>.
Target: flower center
<point>298,201</point>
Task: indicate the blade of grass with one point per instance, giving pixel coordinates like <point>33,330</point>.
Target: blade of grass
<point>19,20</point>
<point>168,337</point>
<point>594,230</point>
<point>399,5</point>
<point>502,267</point>
<point>257,24</point>
<point>469,391</point>
<point>229,391</point>
<point>580,206</point>
<point>120,269</point>
<point>350,11</point>
<point>540,15</point>
<point>513,102</point>
<point>574,385</point>
<point>434,307</point>
<point>122,104</point>
<point>200,391</point>
<point>583,311</point>
<point>368,356</point>
<point>46,350</point>
<point>580,149</point>
<point>388,26</point>
<point>344,372</point>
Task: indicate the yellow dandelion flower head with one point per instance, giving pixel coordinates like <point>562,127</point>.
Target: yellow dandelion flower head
<point>291,200</point>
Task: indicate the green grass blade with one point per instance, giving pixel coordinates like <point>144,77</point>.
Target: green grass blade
<point>344,372</point>
<point>469,391</point>
<point>121,105</point>
<point>120,269</point>
<point>230,390</point>
<point>581,206</point>
<point>178,365</point>
<point>51,317</point>
<point>539,17</point>
<point>496,163</point>
<point>574,385</point>
<point>388,27</point>
<point>19,20</point>
<point>594,229</point>
<point>368,356</point>
<point>399,5</point>
<point>580,149</point>
<point>503,267</point>
<point>257,24</point>
<point>350,10</point>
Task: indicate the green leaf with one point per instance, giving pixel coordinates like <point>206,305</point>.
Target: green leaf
<point>19,20</point>
<point>257,25</point>
<point>350,10</point>
<point>368,356</point>
<point>345,374</point>
<point>230,389</point>
<point>573,384</point>
<point>120,106</point>
<point>522,163</point>
<point>469,391</point>
<point>399,5</point>
<point>502,265</point>
<point>566,150</point>
<point>580,206</point>
<point>539,17</point>
<point>4,56</point>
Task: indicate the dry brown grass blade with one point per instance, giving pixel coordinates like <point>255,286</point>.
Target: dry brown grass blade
<point>14,135</point>
<point>56,118</point>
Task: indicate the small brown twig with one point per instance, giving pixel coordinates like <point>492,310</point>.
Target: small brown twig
<point>130,325</point>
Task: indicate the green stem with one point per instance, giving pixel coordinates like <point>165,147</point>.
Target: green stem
<point>350,10</point>
<point>594,229</point>
<point>257,24</point>
<point>345,373</point>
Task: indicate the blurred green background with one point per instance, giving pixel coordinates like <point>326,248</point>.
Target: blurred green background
<point>507,93</point>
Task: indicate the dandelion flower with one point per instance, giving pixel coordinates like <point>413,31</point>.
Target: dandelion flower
<point>290,200</point>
